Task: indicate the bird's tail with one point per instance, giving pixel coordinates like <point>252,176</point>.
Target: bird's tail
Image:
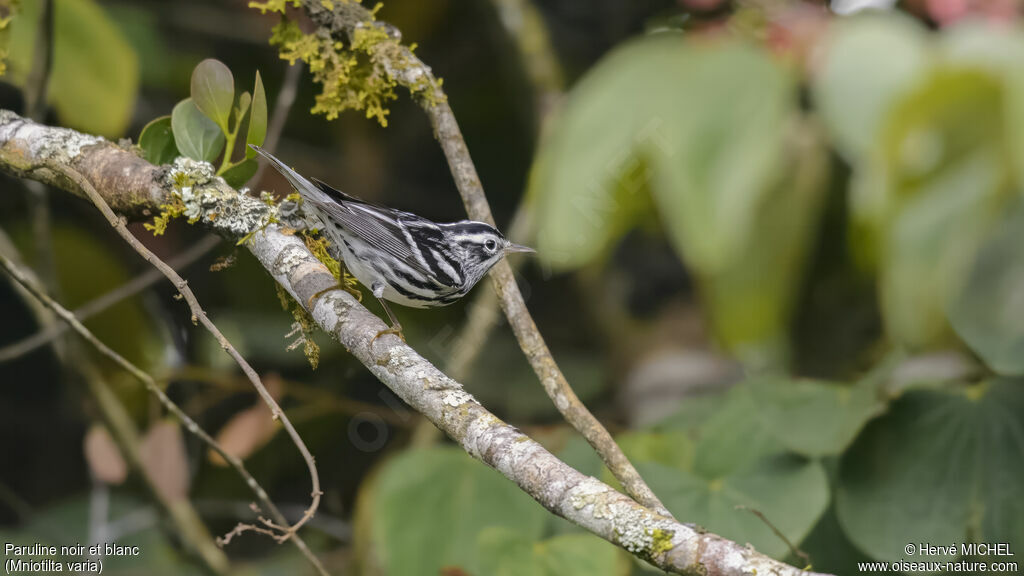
<point>303,186</point>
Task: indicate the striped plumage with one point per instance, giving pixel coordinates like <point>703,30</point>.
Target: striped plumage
<point>400,256</point>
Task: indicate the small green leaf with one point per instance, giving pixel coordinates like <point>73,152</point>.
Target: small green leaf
<point>989,312</point>
<point>195,135</point>
<point>213,91</point>
<point>942,467</point>
<point>243,106</point>
<point>237,175</point>
<point>257,119</point>
<point>157,141</point>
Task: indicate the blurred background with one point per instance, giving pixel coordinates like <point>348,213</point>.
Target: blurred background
<point>781,257</point>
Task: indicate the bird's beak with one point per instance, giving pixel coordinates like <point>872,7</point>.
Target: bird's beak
<point>518,248</point>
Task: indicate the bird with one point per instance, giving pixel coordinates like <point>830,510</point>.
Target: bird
<point>401,257</point>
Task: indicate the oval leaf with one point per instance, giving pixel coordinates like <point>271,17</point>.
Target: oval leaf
<point>195,135</point>
<point>104,457</point>
<point>157,141</point>
<point>162,453</point>
<point>257,118</point>
<point>245,433</point>
<point>213,91</point>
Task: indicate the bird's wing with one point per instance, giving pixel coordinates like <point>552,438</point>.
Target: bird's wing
<point>377,226</point>
<point>381,228</point>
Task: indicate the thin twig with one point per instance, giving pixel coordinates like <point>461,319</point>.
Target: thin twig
<point>125,435</point>
<point>298,390</point>
<point>38,81</point>
<point>21,508</point>
<point>778,533</point>
<point>36,93</point>
<point>524,23</point>
<point>150,383</point>
<point>115,416</point>
<point>199,315</point>
<point>103,302</point>
<point>408,70</point>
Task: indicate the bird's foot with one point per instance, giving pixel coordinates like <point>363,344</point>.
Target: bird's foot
<point>342,286</point>
<point>396,330</point>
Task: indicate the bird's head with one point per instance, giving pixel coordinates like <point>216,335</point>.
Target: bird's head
<point>481,247</point>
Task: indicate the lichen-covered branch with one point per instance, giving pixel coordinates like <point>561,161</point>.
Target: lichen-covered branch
<point>348,22</point>
<point>583,500</point>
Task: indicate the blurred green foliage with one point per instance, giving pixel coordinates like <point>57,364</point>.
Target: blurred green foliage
<point>95,75</point>
<point>942,466</point>
<point>701,130</point>
<point>420,491</point>
<point>697,135</point>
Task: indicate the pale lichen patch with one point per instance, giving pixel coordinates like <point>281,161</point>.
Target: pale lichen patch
<point>288,259</point>
<point>455,397</point>
<point>586,493</point>
<point>207,197</point>
<point>45,142</point>
<point>635,529</point>
<point>477,432</point>
<point>561,402</point>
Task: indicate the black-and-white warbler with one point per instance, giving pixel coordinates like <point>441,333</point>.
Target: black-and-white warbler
<point>399,256</point>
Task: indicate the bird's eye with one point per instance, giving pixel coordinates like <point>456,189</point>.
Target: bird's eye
<point>490,245</point>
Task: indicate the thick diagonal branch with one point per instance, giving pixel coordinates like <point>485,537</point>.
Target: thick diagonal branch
<point>31,150</point>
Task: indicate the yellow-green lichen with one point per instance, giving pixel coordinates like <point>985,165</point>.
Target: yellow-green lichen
<point>319,246</point>
<point>274,5</point>
<point>360,74</point>
<point>304,325</point>
<point>661,541</point>
<point>168,211</point>
<point>186,178</point>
